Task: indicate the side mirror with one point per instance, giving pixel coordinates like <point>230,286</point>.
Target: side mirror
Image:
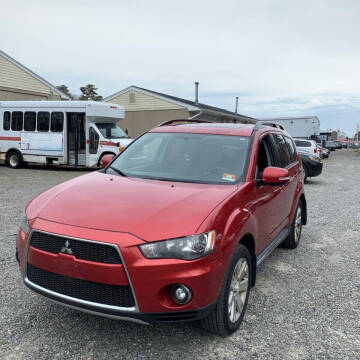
<point>275,176</point>
<point>106,160</point>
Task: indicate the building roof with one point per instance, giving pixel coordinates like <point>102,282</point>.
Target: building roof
<point>290,118</point>
<point>190,105</point>
<point>28,71</point>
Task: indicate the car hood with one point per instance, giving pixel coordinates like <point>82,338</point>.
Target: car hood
<point>149,209</point>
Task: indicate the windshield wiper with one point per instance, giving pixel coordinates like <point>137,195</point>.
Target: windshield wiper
<point>117,171</point>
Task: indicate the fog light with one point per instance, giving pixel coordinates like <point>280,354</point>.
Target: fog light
<point>181,294</point>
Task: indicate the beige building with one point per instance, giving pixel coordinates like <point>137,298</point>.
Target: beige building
<point>19,83</point>
<point>145,109</point>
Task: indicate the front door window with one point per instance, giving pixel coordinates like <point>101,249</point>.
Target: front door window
<point>93,141</point>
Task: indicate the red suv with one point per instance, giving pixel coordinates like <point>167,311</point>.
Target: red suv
<point>172,229</point>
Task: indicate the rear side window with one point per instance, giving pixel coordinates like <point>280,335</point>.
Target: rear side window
<point>283,151</point>
<point>30,121</point>
<point>292,150</point>
<point>6,124</point>
<point>43,120</point>
<point>302,143</point>
<point>57,121</point>
<point>17,121</point>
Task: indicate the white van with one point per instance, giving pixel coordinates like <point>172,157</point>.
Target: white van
<point>72,133</point>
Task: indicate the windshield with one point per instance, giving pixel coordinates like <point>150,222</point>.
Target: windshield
<point>111,131</point>
<point>200,158</point>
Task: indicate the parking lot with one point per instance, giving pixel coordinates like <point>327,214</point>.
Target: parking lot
<point>305,304</point>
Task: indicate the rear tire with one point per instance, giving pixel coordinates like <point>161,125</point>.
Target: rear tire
<point>293,239</point>
<point>14,160</point>
<point>231,304</point>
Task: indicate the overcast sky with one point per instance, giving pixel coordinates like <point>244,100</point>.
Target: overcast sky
<point>281,57</point>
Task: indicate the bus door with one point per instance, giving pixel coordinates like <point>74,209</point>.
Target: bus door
<point>76,139</point>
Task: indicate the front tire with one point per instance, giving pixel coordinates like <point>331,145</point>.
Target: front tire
<point>292,241</point>
<point>231,304</point>
<point>14,160</point>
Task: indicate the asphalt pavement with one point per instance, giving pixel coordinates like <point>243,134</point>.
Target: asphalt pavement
<point>306,303</point>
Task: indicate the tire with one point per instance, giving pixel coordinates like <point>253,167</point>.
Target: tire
<point>292,241</point>
<point>306,170</point>
<point>218,321</point>
<point>14,160</point>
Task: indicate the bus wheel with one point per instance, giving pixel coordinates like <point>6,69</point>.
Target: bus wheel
<point>13,160</point>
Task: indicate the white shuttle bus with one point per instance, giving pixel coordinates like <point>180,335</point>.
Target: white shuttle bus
<point>72,133</point>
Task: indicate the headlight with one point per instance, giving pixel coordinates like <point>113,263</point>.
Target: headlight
<point>24,225</point>
<point>186,248</point>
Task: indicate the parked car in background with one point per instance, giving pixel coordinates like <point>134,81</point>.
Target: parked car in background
<point>354,145</point>
<point>311,164</point>
<point>324,153</point>
<point>172,229</point>
<point>338,144</point>
<point>330,145</point>
<point>308,146</point>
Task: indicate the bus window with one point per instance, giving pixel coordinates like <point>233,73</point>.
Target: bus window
<point>93,141</point>
<point>57,121</point>
<point>17,121</point>
<point>43,120</point>
<point>6,124</point>
<point>30,121</point>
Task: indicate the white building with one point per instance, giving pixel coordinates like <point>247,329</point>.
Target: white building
<point>300,127</point>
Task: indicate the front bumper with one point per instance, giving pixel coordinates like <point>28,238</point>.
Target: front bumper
<point>141,318</point>
<point>150,280</point>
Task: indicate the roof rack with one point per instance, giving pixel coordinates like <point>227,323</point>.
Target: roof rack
<point>171,122</point>
<point>273,124</point>
<point>257,126</point>
<point>261,124</point>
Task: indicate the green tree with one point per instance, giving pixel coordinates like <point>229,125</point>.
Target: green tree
<point>89,92</point>
<point>64,89</point>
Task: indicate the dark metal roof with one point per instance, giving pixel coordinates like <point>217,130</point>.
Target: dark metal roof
<point>193,103</point>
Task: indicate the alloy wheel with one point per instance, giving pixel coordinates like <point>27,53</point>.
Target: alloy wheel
<point>298,224</point>
<point>238,290</point>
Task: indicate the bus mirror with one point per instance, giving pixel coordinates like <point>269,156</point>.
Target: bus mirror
<point>106,160</point>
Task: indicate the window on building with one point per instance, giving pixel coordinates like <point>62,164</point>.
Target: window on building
<point>43,121</point>
<point>283,151</point>
<point>30,121</point>
<point>57,121</point>
<point>132,98</point>
<point>17,119</point>
<point>292,150</point>
<point>7,117</point>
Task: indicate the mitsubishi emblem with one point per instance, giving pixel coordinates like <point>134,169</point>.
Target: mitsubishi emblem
<point>66,248</point>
